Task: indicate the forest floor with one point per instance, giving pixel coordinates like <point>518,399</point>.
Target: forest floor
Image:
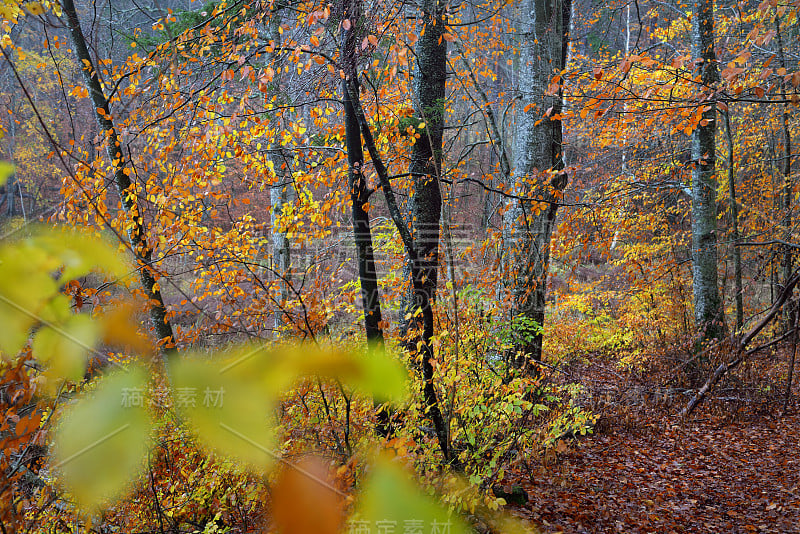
<point>722,470</point>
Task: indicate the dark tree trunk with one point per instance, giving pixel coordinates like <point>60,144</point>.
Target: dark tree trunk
<point>786,171</point>
<point>136,234</point>
<point>423,292</point>
<point>367,272</point>
<point>359,195</point>
<point>425,207</point>
<point>734,213</point>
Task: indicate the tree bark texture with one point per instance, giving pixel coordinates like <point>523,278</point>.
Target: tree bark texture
<point>734,213</point>
<point>425,206</point>
<point>537,164</point>
<point>136,234</point>
<point>281,191</point>
<point>707,303</point>
<point>786,171</point>
<point>362,233</point>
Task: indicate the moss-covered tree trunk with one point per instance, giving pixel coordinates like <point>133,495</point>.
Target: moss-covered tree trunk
<point>708,311</point>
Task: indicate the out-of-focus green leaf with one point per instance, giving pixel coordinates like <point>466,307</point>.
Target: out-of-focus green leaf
<point>31,271</point>
<point>381,375</point>
<point>80,252</point>
<point>25,286</point>
<point>227,399</point>
<point>6,171</point>
<point>227,404</point>
<point>64,347</point>
<point>372,372</point>
<point>102,441</point>
<point>389,497</point>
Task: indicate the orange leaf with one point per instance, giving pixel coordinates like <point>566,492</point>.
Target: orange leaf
<point>304,489</point>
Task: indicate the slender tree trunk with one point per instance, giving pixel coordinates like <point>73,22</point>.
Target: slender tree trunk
<point>425,207</point>
<point>786,171</point>
<point>281,255</point>
<point>12,180</point>
<point>359,196</point>
<point>11,184</point>
<point>787,396</point>
<point>367,271</point>
<point>537,168</point>
<point>136,232</point>
<point>734,214</point>
<point>280,193</point>
<point>707,305</point>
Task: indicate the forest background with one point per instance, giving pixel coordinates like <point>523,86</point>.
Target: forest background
<point>456,237</point>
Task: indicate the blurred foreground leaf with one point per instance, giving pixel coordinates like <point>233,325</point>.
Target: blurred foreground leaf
<point>389,498</point>
<point>302,488</point>
<point>6,171</point>
<point>371,372</point>
<point>33,269</point>
<point>102,441</point>
<point>227,405</point>
<point>65,349</point>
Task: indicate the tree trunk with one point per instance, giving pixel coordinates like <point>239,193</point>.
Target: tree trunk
<point>537,168</point>
<point>786,171</point>
<point>707,305</point>
<point>11,185</point>
<point>280,192</point>
<point>136,234</point>
<point>425,206</point>
<point>421,295</point>
<point>734,213</point>
<point>362,233</point>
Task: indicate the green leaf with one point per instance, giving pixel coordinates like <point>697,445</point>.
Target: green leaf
<point>389,497</point>
<point>80,252</point>
<point>381,375</point>
<point>25,286</point>
<point>373,372</point>
<point>102,441</point>
<point>64,347</point>
<point>227,404</point>
<point>6,171</point>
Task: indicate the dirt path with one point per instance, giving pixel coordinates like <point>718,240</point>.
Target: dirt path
<point>703,476</point>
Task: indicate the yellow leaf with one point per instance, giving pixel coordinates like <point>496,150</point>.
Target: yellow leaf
<point>34,8</point>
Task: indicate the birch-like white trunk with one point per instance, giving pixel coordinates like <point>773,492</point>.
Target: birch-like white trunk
<point>281,192</point>
<point>537,163</point>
